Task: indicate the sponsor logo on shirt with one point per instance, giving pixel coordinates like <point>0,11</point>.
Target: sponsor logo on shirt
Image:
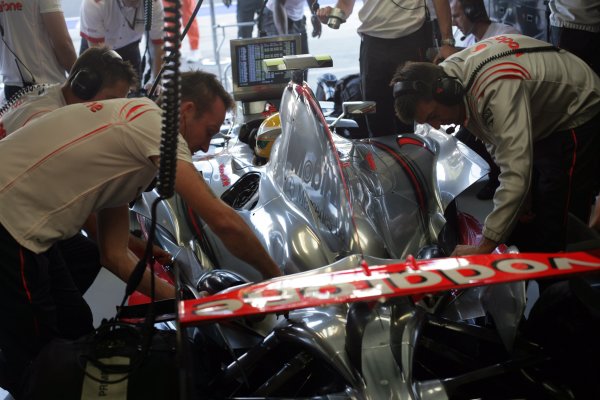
<point>10,6</point>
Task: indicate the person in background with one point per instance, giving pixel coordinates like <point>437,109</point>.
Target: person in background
<point>246,11</point>
<point>283,17</point>
<point>36,46</point>
<point>117,143</point>
<point>548,159</point>
<point>120,25</point>
<point>474,24</point>
<point>392,34</point>
<point>193,34</point>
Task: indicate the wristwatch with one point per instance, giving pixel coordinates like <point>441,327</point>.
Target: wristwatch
<point>449,42</point>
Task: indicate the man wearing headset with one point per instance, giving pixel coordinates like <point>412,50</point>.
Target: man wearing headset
<point>98,74</point>
<point>99,157</point>
<point>472,20</point>
<point>538,111</point>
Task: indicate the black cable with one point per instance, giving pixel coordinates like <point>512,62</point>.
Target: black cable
<point>17,60</point>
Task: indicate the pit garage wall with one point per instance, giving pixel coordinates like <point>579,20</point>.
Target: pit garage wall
<point>529,16</point>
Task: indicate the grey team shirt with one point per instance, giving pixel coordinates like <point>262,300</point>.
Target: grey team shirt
<point>515,101</point>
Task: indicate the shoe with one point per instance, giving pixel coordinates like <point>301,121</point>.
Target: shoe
<point>487,192</point>
<point>194,56</point>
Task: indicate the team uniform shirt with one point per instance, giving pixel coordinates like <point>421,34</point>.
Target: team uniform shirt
<point>24,31</point>
<point>94,155</point>
<point>388,20</point>
<point>293,8</point>
<point>36,102</point>
<point>495,28</point>
<point>117,26</point>
<point>516,100</point>
<point>582,15</point>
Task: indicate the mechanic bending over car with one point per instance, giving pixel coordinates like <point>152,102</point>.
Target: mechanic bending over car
<point>99,157</point>
<point>98,74</point>
<point>537,109</point>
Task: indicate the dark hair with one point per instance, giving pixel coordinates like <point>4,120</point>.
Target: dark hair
<point>424,72</point>
<point>111,69</point>
<point>475,10</point>
<point>202,88</point>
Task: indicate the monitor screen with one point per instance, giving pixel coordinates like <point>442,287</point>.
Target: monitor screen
<point>250,81</point>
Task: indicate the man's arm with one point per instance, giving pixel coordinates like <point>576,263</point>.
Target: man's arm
<point>444,18</point>
<point>223,220</point>
<point>157,59</point>
<point>113,240</point>
<point>280,18</point>
<point>56,28</point>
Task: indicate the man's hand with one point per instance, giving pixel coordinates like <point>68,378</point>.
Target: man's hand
<point>485,247</point>
<point>323,14</point>
<point>445,51</point>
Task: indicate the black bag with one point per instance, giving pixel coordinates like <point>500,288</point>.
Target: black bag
<point>348,88</point>
<point>118,361</point>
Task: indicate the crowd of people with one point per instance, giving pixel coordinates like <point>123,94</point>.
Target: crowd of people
<point>530,108</point>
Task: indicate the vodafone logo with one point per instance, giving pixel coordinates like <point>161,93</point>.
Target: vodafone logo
<point>10,6</point>
<point>385,281</point>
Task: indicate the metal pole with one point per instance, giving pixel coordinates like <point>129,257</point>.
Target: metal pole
<point>214,31</point>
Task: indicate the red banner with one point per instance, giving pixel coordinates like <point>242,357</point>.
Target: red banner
<point>384,281</point>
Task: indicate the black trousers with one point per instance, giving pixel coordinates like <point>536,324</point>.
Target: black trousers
<point>246,10</point>
<point>583,44</point>
<point>379,59</point>
<point>565,179</point>
<point>38,302</point>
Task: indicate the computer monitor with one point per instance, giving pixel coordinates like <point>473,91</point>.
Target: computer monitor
<point>250,81</point>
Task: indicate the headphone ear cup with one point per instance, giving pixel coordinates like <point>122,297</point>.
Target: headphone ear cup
<point>448,91</point>
<point>86,83</point>
<point>410,87</point>
<point>473,11</point>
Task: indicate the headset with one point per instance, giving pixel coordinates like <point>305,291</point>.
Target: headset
<point>87,81</point>
<point>445,89</point>
<point>474,10</point>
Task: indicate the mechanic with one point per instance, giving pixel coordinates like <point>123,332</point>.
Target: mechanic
<point>473,22</point>
<point>391,34</point>
<point>36,46</point>
<point>116,143</point>
<point>119,25</point>
<point>98,74</point>
<point>538,111</point>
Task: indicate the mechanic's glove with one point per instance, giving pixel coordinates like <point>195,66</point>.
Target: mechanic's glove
<point>315,21</point>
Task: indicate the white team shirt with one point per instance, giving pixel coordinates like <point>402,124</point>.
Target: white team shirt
<point>24,32</point>
<point>495,28</point>
<point>39,101</point>
<point>293,8</point>
<point>391,19</point>
<point>513,102</point>
<point>76,160</point>
<point>110,22</point>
